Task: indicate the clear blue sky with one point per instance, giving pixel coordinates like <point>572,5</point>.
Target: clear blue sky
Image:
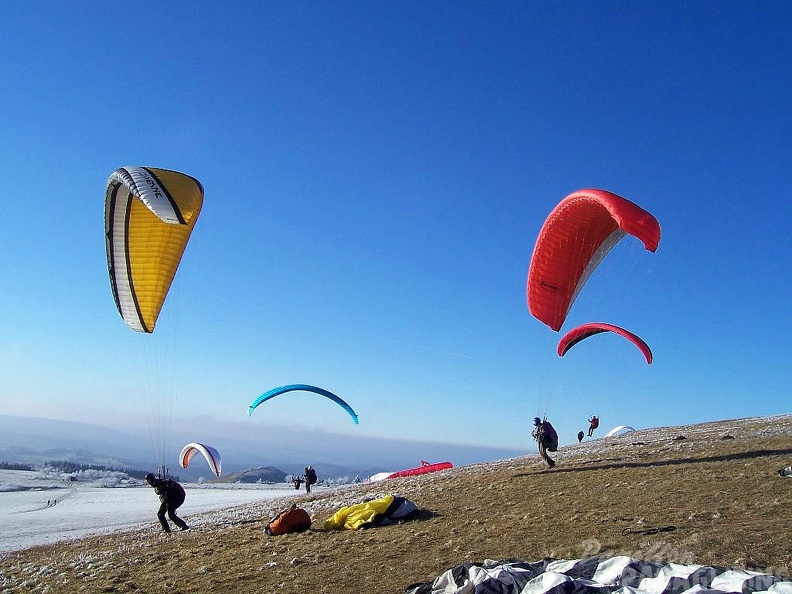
<point>376,174</point>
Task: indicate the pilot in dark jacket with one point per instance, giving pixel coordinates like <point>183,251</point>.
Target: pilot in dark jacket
<point>171,496</point>
<point>547,438</point>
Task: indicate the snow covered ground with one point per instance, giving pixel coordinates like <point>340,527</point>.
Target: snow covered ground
<point>41,508</point>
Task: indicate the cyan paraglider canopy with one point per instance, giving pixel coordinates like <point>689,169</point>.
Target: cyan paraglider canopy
<point>305,387</point>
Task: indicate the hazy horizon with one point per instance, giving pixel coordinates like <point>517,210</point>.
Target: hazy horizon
<point>242,446</point>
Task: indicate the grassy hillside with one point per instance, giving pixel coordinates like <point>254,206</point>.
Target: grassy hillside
<point>696,494</point>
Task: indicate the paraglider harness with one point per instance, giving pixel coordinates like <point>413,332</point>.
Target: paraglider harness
<point>538,433</point>
<point>292,519</point>
<point>544,437</point>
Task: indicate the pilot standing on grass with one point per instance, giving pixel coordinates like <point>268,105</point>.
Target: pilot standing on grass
<point>547,438</point>
<point>171,495</point>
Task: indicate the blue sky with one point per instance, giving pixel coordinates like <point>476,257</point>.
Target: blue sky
<point>375,177</point>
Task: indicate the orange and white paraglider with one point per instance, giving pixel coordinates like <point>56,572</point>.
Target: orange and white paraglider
<point>211,455</point>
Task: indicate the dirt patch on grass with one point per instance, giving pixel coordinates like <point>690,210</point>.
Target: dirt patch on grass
<point>704,494</point>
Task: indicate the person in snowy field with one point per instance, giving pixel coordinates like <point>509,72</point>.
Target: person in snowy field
<point>171,495</point>
<point>593,424</point>
<point>547,438</point>
<point>310,478</point>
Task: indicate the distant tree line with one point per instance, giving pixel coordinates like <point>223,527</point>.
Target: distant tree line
<point>15,466</point>
<point>70,467</point>
<point>66,466</point>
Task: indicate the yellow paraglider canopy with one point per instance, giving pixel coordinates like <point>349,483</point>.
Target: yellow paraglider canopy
<point>149,216</point>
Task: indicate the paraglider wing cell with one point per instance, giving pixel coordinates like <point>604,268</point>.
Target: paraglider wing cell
<point>149,216</point>
<point>576,236</point>
<point>584,331</point>
<point>292,387</point>
<point>211,455</point>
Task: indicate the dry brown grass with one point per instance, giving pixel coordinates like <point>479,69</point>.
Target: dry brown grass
<point>722,496</point>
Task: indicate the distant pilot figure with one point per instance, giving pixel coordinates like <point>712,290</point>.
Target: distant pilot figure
<point>310,478</point>
<point>593,424</point>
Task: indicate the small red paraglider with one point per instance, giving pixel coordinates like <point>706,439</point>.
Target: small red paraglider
<point>584,331</point>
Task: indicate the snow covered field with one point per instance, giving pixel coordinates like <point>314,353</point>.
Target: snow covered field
<point>41,508</point>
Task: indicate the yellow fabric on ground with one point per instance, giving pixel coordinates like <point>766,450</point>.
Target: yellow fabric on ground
<point>353,517</point>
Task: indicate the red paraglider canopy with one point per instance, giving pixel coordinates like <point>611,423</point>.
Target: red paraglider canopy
<point>582,332</point>
<point>577,235</point>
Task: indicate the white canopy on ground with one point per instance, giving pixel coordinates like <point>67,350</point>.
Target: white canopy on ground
<point>616,575</point>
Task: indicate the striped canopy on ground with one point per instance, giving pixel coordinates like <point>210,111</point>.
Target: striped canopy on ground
<point>615,575</point>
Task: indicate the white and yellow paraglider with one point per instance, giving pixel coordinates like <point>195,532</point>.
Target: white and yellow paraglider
<point>211,455</point>
<point>150,214</point>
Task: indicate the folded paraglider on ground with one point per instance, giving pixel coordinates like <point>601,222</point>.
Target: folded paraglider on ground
<point>389,509</point>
